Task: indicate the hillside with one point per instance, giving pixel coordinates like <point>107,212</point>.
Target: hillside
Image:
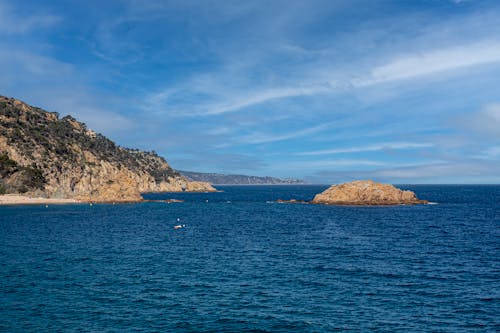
<point>222,179</point>
<point>43,154</point>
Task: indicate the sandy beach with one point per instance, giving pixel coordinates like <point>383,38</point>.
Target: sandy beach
<point>14,199</point>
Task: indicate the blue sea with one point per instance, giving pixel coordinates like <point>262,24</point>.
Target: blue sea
<point>243,263</point>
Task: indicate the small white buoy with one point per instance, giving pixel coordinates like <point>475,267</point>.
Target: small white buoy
<point>46,206</point>
<point>178,219</point>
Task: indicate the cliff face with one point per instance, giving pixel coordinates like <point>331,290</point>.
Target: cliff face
<point>366,192</point>
<point>45,155</point>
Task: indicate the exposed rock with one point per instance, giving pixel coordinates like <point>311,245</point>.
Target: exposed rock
<point>290,201</point>
<point>121,188</point>
<point>56,157</point>
<point>173,201</point>
<point>366,192</point>
<point>199,187</point>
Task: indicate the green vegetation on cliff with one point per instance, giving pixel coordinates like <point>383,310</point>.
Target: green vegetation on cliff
<point>60,157</point>
<point>19,179</point>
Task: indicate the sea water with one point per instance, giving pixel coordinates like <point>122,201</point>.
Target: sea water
<point>245,263</point>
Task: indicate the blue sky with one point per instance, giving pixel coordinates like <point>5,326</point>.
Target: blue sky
<point>327,91</point>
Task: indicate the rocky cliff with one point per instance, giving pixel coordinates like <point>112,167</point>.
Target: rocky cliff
<point>366,192</point>
<point>43,154</point>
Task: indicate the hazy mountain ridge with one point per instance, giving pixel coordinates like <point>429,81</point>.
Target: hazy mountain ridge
<point>224,179</point>
<point>60,157</point>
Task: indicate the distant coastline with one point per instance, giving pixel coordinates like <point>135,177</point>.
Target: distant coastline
<point>283,184</point>
<point>235,179</point>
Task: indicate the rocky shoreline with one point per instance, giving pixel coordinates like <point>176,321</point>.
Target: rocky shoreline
<point>366,193</point>
<point>362,193</point>
<point>44,155</point>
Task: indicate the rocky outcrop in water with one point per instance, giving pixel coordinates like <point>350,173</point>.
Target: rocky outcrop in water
<point>42,154</point>
<point>366,192</point>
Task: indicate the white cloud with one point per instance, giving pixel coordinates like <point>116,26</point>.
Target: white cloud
<point>474,172</point>
<point>256,138</point>
<point>330,165</point>
<point>485,122</point>
<point>367,148</point>
<point>18,65</point>
<point>101,120</point>
<point>56,86</point>
<point>219,97</point>
<point>436,61</point>
<point>13,22</point>
<point>335,163</point>
<point>491,153</point>
<point>264,96</point>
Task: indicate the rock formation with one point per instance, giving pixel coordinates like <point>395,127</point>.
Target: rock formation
<point>42,154</point>
<point>366,192</point>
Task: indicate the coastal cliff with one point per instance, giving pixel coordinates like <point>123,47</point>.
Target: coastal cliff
<point>45,155</point>
<point>366,192</point>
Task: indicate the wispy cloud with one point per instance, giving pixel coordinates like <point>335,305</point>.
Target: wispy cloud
<point>436,61</point>
<point>485,122</point>
<point>367,148</point>
<point>43,81</point>
<point>218,99</point>
<point>491,153</point>
<point>475,171</point>
<point>13,22</point>
<point>211,83</point>
<point>333,163</point>
<point>265,96</point>
<point>257,138</point>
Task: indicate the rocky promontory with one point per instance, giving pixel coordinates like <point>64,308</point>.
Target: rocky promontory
<point>366,192</point>
<point>43,155</point>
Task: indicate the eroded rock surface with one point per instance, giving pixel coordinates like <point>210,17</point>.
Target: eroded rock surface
<point>43,154</point>
<point>366,192</point>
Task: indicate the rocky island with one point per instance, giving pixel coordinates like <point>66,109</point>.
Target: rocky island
<point>43,155</point>
<point>366,192</point>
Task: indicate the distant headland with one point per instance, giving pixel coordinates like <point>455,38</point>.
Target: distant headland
<point>230,179</point>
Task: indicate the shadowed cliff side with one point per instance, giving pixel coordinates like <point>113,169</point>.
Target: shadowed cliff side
<point>42,154</point>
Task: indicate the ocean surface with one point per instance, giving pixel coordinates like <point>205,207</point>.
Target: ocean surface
<point>245,264</point>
